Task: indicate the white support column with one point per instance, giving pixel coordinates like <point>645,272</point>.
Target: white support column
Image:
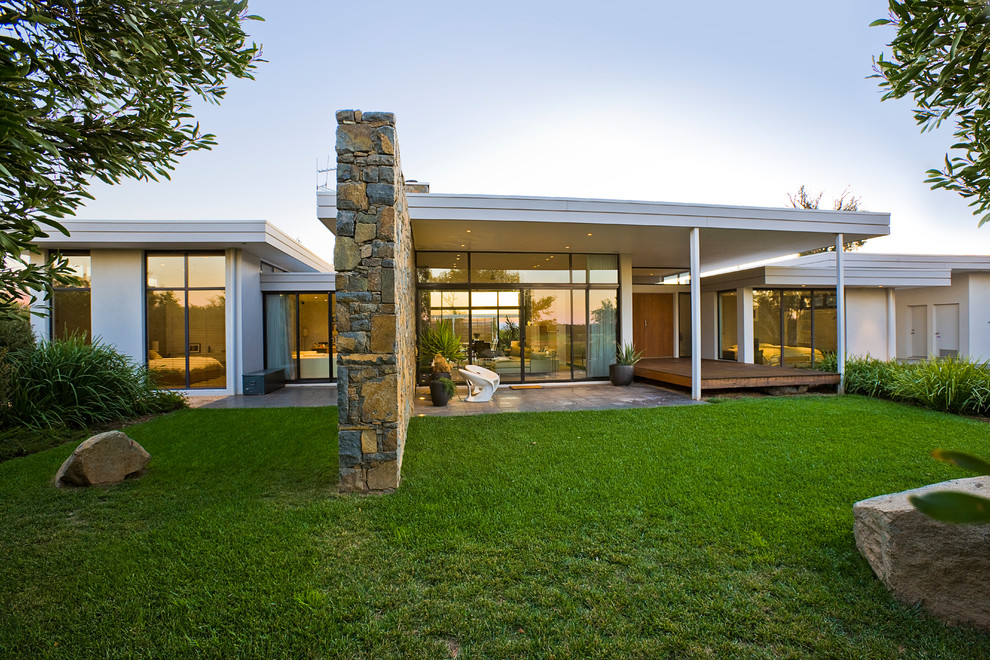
<point>696,314</point>
<point>891,325</point>
<point>840,304</point>
<point>744,323</point>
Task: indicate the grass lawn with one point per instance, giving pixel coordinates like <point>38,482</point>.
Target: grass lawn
<point>707,531</point>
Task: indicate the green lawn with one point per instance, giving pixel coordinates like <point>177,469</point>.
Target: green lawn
<point>707,531</point>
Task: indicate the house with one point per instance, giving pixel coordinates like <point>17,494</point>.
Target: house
<point>904,307</point>
<point>539,289</point>
<point>200,303</point>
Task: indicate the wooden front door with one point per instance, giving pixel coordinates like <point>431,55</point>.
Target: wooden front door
<point>653,324</point>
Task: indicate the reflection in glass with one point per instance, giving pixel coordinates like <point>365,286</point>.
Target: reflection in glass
<point>601,331</point>
<point>441,267</point>
<point>797,345</point>
<point>280,333</point>
<point>80,265</point>
<point>207,339</point>
<point>603,269</point>
<point>520,267</point>
<point>579,333</point>
<point>166,312</point>
<point>825,320</point>
<point>727,327</point>
<point>547,354</point>
<point>314,335</point>
<point>766,327</point>
<point>71,314</point>
<point>166,270</point>
<point>206,270</point>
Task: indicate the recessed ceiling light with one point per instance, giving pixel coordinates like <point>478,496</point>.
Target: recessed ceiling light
<point>468,231</point>
<point>589,233</point>
<point>462,244</point>
<point>567,247</point>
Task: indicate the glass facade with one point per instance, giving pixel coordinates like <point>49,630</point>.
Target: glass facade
<point>529,317</point>
<point>71,306</point>
<point>186,319</point>
<point>300,335</point>
<point>793,327</point>
<point>728,328</point>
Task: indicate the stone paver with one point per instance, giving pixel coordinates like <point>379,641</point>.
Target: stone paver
<point>291,396</point>
<point>578,396</point>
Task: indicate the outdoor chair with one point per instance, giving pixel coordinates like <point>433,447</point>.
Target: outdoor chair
<point>481,383</point>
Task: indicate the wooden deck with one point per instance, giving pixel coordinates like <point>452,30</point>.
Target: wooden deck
<point>725,374</point>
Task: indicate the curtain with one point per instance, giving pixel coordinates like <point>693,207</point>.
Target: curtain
<point>279,327</point>
<point>601,332</point>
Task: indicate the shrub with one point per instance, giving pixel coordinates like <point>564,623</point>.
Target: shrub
<point>868,376</point>
<point>69,383</point>
<point>955,385</point>
<point>15,334</point>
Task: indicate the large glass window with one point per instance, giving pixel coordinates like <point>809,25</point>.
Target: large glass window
<point>71,306</point>
<point>793,328</point>
<point>300,336</point>
<point>528,317</point>
<point>728,329</point>
<point>186,319</point>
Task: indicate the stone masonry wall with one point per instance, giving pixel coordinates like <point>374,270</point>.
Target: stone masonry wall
<point>376,338</point>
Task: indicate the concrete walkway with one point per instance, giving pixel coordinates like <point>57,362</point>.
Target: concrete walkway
<point>290,396</point>
<point>572,396</point>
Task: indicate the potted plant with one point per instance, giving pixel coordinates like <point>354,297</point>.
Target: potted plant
<point>441,391</point>
<point>440,368</point>
<point>626,355</point>
<point>440,339</point>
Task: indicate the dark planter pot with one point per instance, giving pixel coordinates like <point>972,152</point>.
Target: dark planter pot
<point>438,394</point>
<point>437,375</point>
<point>620,374</point>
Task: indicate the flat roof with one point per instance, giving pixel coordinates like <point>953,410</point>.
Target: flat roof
<point>860,269</point>
<point>655,234</point>
<point>258,237</point>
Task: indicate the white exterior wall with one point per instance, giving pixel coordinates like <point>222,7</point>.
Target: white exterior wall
<point>117,294</point>
<point>250,321</point>
<point>979,317</point>
<point>709,325</point>
<point>625,299</point>
<point>958,293</point>
<point>866,322</point>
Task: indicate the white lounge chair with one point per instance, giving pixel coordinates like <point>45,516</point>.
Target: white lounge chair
<point>481,383</point>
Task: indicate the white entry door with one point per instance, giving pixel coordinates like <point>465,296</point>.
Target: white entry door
<point>918,339</point>
<point>947,330</point>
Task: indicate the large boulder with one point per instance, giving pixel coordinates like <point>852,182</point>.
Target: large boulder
<point>107,458</point>
<point>943,566</point>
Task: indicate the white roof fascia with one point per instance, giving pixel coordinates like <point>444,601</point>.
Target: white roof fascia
<point>259,237</point>
<point>504,208</point>
<point>302,282</point>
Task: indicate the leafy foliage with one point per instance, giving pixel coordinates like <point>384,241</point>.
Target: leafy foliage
<point>440,339</point>
<point>939,58</point>
<point>845,202</point>
<point>952,506</point>
<point>74,384</point>
<point>627,354</point>
<point>99,90</point>
<point>955,385</point>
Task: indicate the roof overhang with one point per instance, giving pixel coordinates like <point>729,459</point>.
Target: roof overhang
<point>654,234</point>
<point>298,282</point>
<point>259,237</point>
<point>860,270</point>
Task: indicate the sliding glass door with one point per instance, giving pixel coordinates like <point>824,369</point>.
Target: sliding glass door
<point>300,336</point>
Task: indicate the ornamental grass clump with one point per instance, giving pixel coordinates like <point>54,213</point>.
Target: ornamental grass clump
<point>956,385</point>
<point>68,383</point>
<point>867,376</point>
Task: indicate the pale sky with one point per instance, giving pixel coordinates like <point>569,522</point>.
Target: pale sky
<point>718,102</point>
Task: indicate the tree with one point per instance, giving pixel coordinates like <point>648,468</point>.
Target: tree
<point>939,57</point>
<point>94,89</point>
<point>845,202</point>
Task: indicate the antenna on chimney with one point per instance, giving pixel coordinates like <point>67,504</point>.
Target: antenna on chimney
<point>323,175</point>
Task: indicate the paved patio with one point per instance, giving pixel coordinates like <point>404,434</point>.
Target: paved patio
<point>290,396</point>
<point>572,396</point>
